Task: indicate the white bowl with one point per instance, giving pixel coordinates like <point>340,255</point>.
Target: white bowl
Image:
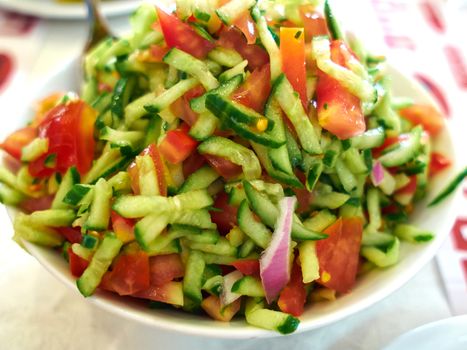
<point>369,289</point>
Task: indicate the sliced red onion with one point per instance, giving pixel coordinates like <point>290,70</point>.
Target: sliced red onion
<point>377,173</point>
<point>227,296</point>
<point>275,260</point>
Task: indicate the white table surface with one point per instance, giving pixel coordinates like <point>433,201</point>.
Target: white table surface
<point>38,312</point>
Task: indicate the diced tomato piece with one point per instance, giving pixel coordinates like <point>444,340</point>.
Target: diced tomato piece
<point>339,111</point>
<point>225,215</point>
<point>177,145</point>
<point>77,263</point>
<point>292,49</point>
<point>30,205</point>
<point>45,105</point>
<point>255,90</point>
<point>223,167</point>
<point>180,35</point>
<point>122,227</point>
<point>71,234</point>
<point>313,21</point>
<point>213,308</point>
<point>130,273</point>
<point>197,91</point>
<point>11,163</point>
<point>70,130</point>
<point>15,142</point>
<point>193,163</point>
<point>304,198</point>
<point>293,297</point>
<point>169,293</point>
<point>338,255</point>
<point>232,38</point>
<point>411,187</point>
<point>247,26</point>
<point>159,166</point>
<point>157,53</point>
<point>438,163</point>
<point>425,115</point>
<point>165,268</point>
<point>247,266</point>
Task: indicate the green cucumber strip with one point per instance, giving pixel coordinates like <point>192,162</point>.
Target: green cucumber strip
<point>39,234</point>
<point>450,188</point>
<point>53,217</point>
<point>149,228</point>
<point>320,221</point>
<point>205,126</point>
<point>374,210</point>
<point>139,206</point>
<point>105,254</point>
<point>236,237</point>
<point>119,138</point>
<point>141,24</point>
<point>237,154</point>
<point>76,194</point>
<point>152,103</point>
<point>249,286</point>
<point>121,96</point>
<point>10,196</point>
<point>376,239</point>
<point>221,247</point>
<point>354,161</point>
<point>109,162</point>
<point>268,212</point>
<point>262,153</point>
<point>331,200</point>
<point>147,176</point>
<point>291,104</point>
<point>256,315</point>
<point>268,42</point>
<point>404,151</point>
<point>71,178</point>
<point>198,218</point>
<point>257,231</point>
<point>225,57</point>
<point>193,66</point>
<point>279,156</point>
<point>412,233</point>
<point>382,258</point>
<point>246,248</point>
<point>120,182</point>
<point>331,21</point>
<point>346,177</point>
<point>369,139</point>
<point>34,149</point>
<point>308,261</point>
<point>99,214</point>
<point>293,149</point>
<point>200,179</point>
<point>193,279</point>
<point>243,120</point>
<point>384,112</point>
<point>198,104</point>
<point>238,70</point>
<point>213,285</point>
<point>169,96</point>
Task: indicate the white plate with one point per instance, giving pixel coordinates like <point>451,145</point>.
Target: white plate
<point>447,334</point>
<point>369,289</point>
<point>54,9</point>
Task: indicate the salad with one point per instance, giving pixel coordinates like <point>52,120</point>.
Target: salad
<point>230,158</point>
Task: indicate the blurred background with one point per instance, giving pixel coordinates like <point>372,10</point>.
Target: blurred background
<point>424,38</point>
